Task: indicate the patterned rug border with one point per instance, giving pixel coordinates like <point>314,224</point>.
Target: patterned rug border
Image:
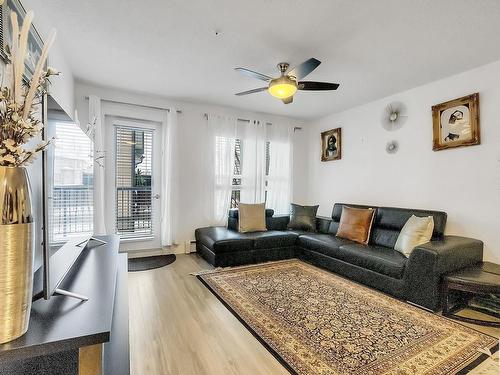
<point>473,364</point>
<point>264,343</point>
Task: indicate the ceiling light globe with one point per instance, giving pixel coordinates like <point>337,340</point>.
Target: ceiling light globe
<point>282,87</point>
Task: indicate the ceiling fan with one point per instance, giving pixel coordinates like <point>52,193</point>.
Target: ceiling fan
<point>286,85</point>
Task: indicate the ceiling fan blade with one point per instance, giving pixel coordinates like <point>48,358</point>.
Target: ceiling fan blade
<point>288,100</point>
<point>300,71</point>
<point>251,91</point>
<point>252,74</point>
<point>317,86</point>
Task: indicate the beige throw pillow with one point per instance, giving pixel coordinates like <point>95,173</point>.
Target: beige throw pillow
<point>416,231</point>
<point>252,217</point>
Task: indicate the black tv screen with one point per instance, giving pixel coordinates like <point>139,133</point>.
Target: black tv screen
<point>67,174</point>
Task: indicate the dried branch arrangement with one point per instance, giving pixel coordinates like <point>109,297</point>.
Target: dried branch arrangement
<point>19,122</point>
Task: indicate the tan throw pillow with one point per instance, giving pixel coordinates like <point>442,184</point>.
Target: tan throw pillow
<point>416,231</point>
<point>252,217</point>
<point>356,224</point>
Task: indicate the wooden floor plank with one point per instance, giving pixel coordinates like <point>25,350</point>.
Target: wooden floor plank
<point>178,327</point>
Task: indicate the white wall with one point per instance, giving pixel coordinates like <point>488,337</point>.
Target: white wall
<point>464,182</point>
<point>62,88</point>
<point>190,123</point>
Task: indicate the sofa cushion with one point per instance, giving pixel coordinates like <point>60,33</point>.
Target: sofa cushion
<point>223,240</point>
<point>272,239</point>
<point>322,243</point>
<point>395,218</point>
<point>384,237</point>
<point>298,232</point>
<point>391,220</point>
<point>379,259</point>
<point>337,209</point>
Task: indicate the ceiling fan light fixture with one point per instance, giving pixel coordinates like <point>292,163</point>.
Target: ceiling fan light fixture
<point>282,87</point>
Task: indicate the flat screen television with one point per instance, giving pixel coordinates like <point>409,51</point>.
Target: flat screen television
<point>67,199</point>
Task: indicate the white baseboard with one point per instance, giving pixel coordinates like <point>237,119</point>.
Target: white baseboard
<point>186,248</point>
<point>190,247</point>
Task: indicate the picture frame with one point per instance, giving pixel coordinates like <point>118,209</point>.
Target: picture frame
<point>35,41</point>
<point>331,145</point>
<point>456,123</point>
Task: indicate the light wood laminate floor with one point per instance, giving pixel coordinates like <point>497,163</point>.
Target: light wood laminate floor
<point>178,327</point>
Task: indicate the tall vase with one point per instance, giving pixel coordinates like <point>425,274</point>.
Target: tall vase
<point>16,252</point>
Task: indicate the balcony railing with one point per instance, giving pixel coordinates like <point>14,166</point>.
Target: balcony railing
<point>134,211</point>
<point>72,212</point>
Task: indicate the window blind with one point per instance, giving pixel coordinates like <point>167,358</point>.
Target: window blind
<point>72,191</point>
<point>133,171</point>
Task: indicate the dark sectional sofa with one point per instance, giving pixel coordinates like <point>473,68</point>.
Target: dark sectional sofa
<point>416,279</point>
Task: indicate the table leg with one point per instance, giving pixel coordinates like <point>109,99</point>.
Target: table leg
<point>445,298</point>
<point>90,360</point>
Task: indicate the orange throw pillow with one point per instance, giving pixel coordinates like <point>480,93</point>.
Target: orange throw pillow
<point>356,224</point>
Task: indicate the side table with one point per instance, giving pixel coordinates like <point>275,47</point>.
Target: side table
<point>480,279</point>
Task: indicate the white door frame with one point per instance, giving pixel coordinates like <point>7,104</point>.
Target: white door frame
<point>111,122</point>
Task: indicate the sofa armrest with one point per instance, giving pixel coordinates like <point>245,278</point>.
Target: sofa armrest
<point>430,261</point>
<point>447,255</point>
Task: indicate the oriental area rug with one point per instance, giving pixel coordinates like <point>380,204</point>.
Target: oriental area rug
<point>317,323</point>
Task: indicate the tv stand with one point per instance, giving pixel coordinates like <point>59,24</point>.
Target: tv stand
<point>95,239</point>
<point>66,335</point>
<point>62,292</point>
<point>67,293</point>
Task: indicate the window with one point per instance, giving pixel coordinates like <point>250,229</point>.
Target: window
<point>238,176</point>
<point>252,164</point>
<point>72,191</point>
<point>134,148</point>
<point>236,192</point>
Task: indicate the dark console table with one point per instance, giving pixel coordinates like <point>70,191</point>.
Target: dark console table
<point>481,279</point>
<point>67,336</point>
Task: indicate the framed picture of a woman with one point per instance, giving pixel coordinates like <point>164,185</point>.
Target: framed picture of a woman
<point>331,145</point>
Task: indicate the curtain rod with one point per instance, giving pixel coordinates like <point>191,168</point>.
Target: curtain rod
<point>239,119</point>
<point>295,128</point>
<point>137,105</point>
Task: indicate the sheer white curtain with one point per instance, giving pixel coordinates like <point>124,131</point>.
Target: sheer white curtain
<point>169,179</point>
<point>279,186</point>
<point>254,136</point>
<point>97,132</point>
<point>219,167</point>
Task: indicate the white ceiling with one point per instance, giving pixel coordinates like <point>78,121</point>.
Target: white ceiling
<point>372,48</point>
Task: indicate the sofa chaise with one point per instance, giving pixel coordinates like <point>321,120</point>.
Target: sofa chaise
<point>416,278</point>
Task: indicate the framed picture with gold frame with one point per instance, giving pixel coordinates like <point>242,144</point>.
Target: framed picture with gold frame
<point>35,42</point>
<point>456,123</point>
<point>331,145</point>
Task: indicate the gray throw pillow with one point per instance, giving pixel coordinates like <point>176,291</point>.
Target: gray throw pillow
<point>303,217</point>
